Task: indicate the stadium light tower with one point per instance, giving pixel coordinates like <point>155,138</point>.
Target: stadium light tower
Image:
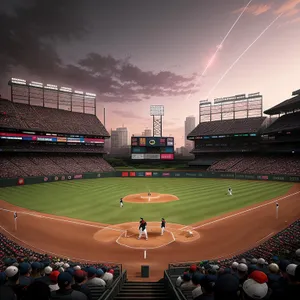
<point>157,112</point>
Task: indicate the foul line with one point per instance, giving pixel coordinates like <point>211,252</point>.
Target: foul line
<point>55,254</point>
<point>265,237</point>
<point>62,220</point>
<point>241,213</point>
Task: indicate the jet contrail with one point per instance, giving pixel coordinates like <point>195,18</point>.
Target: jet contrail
<point>237,60</point>
<point>219,48</point>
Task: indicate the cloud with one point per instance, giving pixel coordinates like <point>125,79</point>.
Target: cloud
<point>255,9</point>
<point>127,114</point>
<point>296,20</point>
<point>29,37</point>
<point>289,7</point>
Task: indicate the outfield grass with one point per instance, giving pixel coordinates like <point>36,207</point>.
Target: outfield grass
<point>98,199</point>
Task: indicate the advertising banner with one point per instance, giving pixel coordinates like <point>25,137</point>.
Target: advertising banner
<point>294,178</point>
<point>191,174</point>
<point>152,156</point>
<point>140,174</point>
<point>156,174</point>
<point>148,174</point>
<point>137,156</point>
<point>263,177</point>
<point>166,174</point>
<point>167,156</point>
<point>79,176</point>
<point>124,174</point>
<point>132,174</point>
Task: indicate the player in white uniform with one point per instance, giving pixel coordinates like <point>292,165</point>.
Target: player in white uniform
<point>230,191</point>
<point>121,202</point>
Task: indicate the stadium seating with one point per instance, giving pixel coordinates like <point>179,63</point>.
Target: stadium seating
<point>44,119</point>
<point>286,122</point>
<point>273,164</point>
<point>236,126</point>
<point>12,166</point>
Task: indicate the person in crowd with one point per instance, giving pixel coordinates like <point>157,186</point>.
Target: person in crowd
<point>65,290</point>
<point>13,274</point>
<point>255,287</point>
<point>107,277</point>
<point>261,264</point>
<point>293,288</point>
<point>38,290</point>
<point>227,287</point>
<point>36,270</point>
<point>187,283</point>
<point>196,279</point>
<point>80,278</point>
<point>242,272</point>
<point>273,275</point>
<point>53,286</point>
<point>92,277</point>
<point>46,277</point>
<point>207,287</point>
<point>25,274</point>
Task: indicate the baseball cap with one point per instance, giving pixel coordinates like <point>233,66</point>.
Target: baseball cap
<point>54,275</point>
<point>291,268</point>
<point>197,277</point>
<point>111,271</point>
<point>80,274</point>
<point>243,260</point>
<point>35,265</point>
<point>234,265</point>
<point>66,266</point>
<point>254,260</point>
<point>193,268</point>
<point>297,252</point>
<point>254,289</point>
<point>24,268</point>
<point>11,271</point>
<point>186,277</point>
<point>273,268</point>
<point>100,272</point>
<point>242,267</point>
<point>77,268</point>
<point>70,271</point>
<point>283,265</point>
<point>48,270</point>
<point>91,271</point>
<point>64,279</point>
<point>261,261</point>
<point>259,276</point>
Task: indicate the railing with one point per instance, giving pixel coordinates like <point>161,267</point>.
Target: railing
<point>172,291</point>
<point>114,290</point>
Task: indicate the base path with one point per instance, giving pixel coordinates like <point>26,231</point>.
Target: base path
<point>153,198</point>
<point>222,236</point>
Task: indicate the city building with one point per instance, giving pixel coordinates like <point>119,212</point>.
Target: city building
<point>119,137</point>
<point>147,132</point>
<point>189,125</point>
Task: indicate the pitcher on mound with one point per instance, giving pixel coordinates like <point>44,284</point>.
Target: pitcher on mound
<point>143,229</point>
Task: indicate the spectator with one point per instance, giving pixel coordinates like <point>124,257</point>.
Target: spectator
<point>293,289</point>
<point>80,278</point>
<point>261,264</point>
<point>196,279</point>
<point>53,281</point>
<point>46,277</point>
<point>65,289</point>
<point>107,277</point>
<point>242,272</point>
<point>36,270</point>
<point>227,287</point>
<point>13,275</point>
<point>207,287</point>
<point>256,286</point>
<point>100,273</point>
<point>25,277</point>
<point>234,266</point>
<point>92,279</point>
<point>273,275</point>
<point>187,283</point>
<point>38,290</point>
<point>7,293</point>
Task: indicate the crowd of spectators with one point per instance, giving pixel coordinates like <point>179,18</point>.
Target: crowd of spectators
<point>285,122</point>
<point>235,126</point>
<point>44,119</point>
<point>269,271</point>
<point>27,275</point>
<point>12,166</point>
<point>252,164</point>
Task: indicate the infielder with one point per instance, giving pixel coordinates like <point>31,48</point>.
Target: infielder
<point>230,191</point>
<point>149,194</point>
<point>163,226</point>
<point>143,229</point>
<point>121,202</point>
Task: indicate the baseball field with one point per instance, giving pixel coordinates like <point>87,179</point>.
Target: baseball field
<point>98,199</point>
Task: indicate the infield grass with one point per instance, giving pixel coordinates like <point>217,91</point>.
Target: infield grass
<point>98,199</point>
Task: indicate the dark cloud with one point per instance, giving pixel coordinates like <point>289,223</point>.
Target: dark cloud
<point>30,34</point>
<point>127,114</point>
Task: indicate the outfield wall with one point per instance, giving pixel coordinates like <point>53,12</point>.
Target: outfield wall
<point>146,174</point>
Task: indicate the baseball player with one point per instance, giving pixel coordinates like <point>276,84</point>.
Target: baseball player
<point>149,194</point>
<point>121,202</point>
<point>143,229</point>
<point>163,226</point>
<point>230,191</point>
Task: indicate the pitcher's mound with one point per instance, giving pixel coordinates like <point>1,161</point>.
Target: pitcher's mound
<point>153,198</point>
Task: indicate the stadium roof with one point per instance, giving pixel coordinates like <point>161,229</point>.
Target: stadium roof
<point>285,106</point>
<point>44,119</point>
<point>235,126</point>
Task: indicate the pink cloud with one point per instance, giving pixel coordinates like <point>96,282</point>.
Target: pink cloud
<point>288,8</point>
<point>296,20</point>
<point>255,9</point>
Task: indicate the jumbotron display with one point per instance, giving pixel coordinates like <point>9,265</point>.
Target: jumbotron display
<point>152,148</point>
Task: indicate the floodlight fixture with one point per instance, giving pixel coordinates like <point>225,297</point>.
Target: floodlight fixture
<point>51,87</point>
<point>78,92</point>
<point>18,81</point>
<point>90,94</point>
<point>65,89</point>
<point>36,84</point>
<point>156,110</point>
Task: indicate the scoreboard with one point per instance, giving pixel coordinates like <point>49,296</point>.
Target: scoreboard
<point>152,148</point>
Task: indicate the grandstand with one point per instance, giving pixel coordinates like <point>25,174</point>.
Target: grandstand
<point>251,145</point>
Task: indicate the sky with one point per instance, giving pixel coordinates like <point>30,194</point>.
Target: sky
<point>135,53</point>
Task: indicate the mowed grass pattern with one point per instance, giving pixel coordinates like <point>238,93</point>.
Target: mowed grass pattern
<point>98,199</point>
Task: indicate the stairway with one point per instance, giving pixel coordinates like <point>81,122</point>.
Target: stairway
<point>143,290</point>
